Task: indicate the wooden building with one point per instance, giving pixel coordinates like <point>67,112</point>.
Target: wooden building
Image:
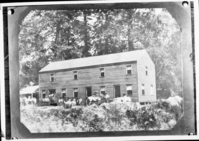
<point>31,91</point>
<point>132,73</point>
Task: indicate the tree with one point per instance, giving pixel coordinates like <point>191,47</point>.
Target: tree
<point>66,34</point>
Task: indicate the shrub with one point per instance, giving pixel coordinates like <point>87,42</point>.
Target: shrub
<point>177,111</point>
<point>96,124</point>
<point>115,114</point>
<point>162,105</point>
<point>74,115</point>
<point>146,119</point>
<point>132,116</point>
<point>93,118</point>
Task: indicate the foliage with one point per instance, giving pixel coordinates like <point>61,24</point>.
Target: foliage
<point>177,111</point>
<point>144,118</point>
<point>48,35</point>
<point>162,105</point>
<point>93,118</point>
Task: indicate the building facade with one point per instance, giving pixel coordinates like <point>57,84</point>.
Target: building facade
<point>131,73</point>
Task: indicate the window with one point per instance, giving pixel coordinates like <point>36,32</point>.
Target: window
<point>102,72</point>
<point>151,90</point>
<point>143,91</point>
<point>75,91</point>
<point>43,94</point>
<point>128,69</point>
<point>52,77</point>
<point>129,90</point>
<point>52,91</point>
<point>75,75</point>
<point>146,70</point>
<point>63,92</point>
<point>102,90</point>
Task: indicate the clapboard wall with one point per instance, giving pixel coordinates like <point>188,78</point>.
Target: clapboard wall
<point>146,64</point>
<point>115,74</point>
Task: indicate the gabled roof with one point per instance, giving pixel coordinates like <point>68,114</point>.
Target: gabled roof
<point>29,90</point>
<point>94,60</point>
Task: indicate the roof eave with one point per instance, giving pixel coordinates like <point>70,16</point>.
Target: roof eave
<point>75,68</point>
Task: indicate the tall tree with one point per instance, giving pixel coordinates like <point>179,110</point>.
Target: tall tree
<point>66,34</point>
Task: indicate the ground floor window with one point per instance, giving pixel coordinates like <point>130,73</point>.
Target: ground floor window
<point>52,92</point>
<point>143,90</point>
<point>151,90</point>
<point>102,89</point>
<point>43,95</point>
<point>63,93</point>
<point>129,90</point>
<point>75,91</point>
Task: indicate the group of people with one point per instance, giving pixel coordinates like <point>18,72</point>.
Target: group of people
<point>97,98</point>
<point>28,100</point>
<point>69,102</point>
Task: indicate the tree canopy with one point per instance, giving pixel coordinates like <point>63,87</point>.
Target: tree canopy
<point>47,35</point>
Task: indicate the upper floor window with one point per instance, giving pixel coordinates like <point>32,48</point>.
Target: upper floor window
<point>63,92</point>
<point>43,94</point>
<point>75,74</point>
<point>143,90</point>
<point>129,90</point>
<point>129,69</point>
<point>102,90</point>
<point>102,72</point>
<point>146,71</point>
<point>52,77</point>
<point>75,92</point>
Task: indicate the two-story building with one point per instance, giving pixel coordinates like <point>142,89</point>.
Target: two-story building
<point>132,73</point>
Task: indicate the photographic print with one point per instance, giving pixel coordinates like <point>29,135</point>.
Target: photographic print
<point>92,70</point>
<point>100,69</point>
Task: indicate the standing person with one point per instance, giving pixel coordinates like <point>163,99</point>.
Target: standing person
<point>124,97</point>
<point>107,96</point>
<point>102,99</point>
<point>92,99</point>
<point>95,98</point>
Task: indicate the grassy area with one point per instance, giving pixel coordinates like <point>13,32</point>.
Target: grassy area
<point>107,117</point>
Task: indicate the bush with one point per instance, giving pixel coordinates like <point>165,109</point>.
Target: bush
<point>115,114</point>
<point>93,118</point>
<point>96,124</point>
<point>162,105</point>
<point>132,116</point>
<point>177,111</point>
<point>144,118</point>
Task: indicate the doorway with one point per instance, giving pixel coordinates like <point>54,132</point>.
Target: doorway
<point>117,91</point>
<point>52,96</point>
<point>88,91</point>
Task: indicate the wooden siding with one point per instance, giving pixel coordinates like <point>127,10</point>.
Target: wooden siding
<point>145,61</point>
<point>90,77</point>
